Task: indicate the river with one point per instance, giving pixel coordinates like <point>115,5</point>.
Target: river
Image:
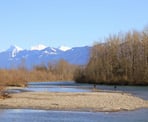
<point>27,115</point>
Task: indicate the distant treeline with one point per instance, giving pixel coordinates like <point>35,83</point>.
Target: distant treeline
<point>121,59</point>
<point>61,70</point>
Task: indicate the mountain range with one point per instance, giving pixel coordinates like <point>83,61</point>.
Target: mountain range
<point>16,56</point>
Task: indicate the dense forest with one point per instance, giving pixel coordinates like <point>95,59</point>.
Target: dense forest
<point>121,59</point>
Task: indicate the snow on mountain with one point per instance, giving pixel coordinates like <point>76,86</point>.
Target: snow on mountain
<point>38,47</point>
<point>14,50</point>
<point>50,50</point>
<point>64,48</point>
<point>14,56</point>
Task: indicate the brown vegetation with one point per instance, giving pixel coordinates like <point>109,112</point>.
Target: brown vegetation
<point>19,77</point>
<point>12,77</point>
<point>53,72</point>
<point>122,59</point>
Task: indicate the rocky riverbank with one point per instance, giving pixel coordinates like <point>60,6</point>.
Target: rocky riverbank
<point>95,101</point>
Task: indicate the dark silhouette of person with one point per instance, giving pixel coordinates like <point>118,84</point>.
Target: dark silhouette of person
<point>94,86</point>
<point>115,87</point>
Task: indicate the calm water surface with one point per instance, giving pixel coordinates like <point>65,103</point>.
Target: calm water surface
<point>28,115</point>
<point>140,91</point>
<point>21,115</point>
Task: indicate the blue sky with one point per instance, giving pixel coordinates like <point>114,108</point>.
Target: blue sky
<point>67,22</point>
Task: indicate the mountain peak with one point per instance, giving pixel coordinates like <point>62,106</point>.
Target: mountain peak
<point>64,48</point>
<point>14,55</point>
<point>38,47</point>
<point>14,48</point>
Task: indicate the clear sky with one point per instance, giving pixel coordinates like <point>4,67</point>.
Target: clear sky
<point>67,22</point>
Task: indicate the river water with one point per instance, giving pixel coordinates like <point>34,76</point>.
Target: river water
<point>29,115</point>
<point>22,115</point>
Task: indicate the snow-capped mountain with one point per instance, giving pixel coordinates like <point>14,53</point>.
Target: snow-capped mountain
<point>16,56</point>
<point>13,50</point>
<point>64,48</point>
<point>38,47</point>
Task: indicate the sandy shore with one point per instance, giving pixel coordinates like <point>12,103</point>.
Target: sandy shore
<point>95,101</point>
